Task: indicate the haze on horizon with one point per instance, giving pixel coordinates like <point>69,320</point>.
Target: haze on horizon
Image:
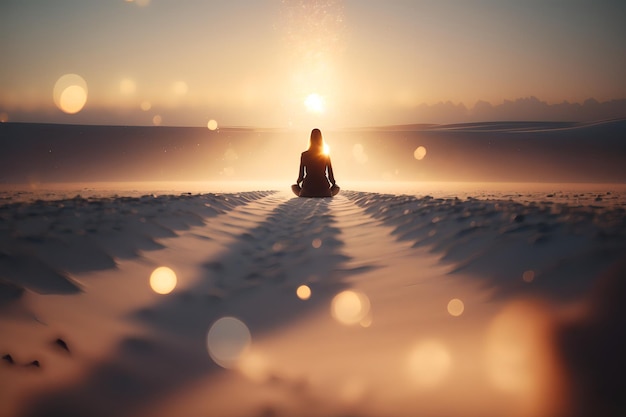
<point>299,63</point>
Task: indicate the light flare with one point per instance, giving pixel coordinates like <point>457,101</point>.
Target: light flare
<point>315,103</point>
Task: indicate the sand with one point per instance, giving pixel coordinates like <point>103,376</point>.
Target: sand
<point>366,304</point>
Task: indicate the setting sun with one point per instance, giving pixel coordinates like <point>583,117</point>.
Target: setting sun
<point>315,103</point>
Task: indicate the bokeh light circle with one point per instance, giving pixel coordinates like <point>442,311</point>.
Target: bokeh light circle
<point>212,125</point>
<point>456,307</point>
<point>528,276</point>
<point>429,363</point>
<point>228,339</point>
<point>303,292</point>
<point>70,93</point>
<point>350,307</point>
<point>419,153</point>
<point>163,280</point>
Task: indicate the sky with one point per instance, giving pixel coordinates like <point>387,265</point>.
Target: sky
<point>298,63</point>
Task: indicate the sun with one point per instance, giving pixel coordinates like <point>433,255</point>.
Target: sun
<point>315,103</point>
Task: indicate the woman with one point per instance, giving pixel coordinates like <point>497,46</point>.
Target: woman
<point>316,171</point>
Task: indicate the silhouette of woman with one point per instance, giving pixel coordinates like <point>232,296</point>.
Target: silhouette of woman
<point>316,171</point>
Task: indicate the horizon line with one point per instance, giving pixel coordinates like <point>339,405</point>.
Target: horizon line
<point>395,126</point>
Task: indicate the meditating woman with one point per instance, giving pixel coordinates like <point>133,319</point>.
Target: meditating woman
<point>316,171</point>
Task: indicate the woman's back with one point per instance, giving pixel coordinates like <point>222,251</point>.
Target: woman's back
<point>316,171</point>
<point>315,164</point>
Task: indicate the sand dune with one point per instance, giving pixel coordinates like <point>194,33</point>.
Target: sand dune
<point>366,304</point>
<point>590,152</point>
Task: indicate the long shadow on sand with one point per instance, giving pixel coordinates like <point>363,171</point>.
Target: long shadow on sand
<point>254,280</point>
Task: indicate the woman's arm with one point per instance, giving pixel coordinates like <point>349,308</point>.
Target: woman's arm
<point>331,176</point>
<point>301,171</point>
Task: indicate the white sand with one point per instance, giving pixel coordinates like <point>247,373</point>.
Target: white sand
<point>418,306</point>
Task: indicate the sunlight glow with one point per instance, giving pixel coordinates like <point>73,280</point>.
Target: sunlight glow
<point>358,152</point>
<point>429,363</point>
<point>315,103</point>
<point>228,339</point>
<point>350,307</point>
<point>127,86</point>
<point>163,280</point>
<point>180,88</point>
<point>326,149</point>
<point>70,93</point>
<point>253,365</point>
<point>520,359</point>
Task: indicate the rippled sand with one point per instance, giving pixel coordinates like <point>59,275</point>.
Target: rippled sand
<point>258,303</point>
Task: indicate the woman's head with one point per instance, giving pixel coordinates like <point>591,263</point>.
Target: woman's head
<point>316,142</point>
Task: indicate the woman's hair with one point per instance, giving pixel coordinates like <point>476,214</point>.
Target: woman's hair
<point>316,142</point>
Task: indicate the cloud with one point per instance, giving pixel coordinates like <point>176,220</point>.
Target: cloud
<point>521,109</point>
